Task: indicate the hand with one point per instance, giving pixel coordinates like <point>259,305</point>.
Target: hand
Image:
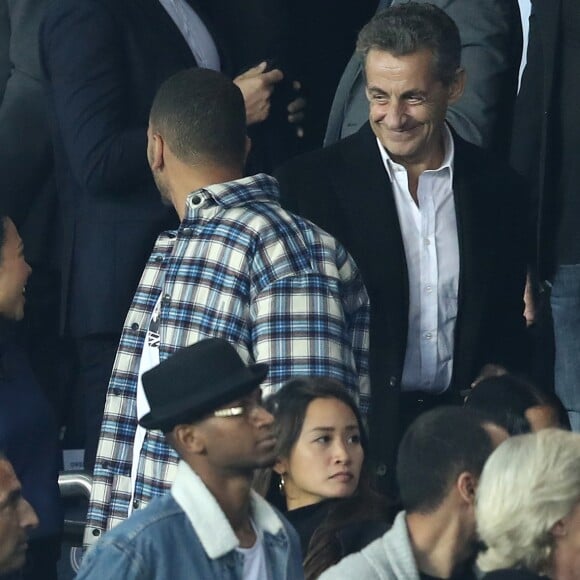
<point>529,302</point>
<point>296,110</point>
<point>257,87</point>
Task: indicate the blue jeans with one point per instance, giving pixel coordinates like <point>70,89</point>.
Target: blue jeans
<point>565,302</point>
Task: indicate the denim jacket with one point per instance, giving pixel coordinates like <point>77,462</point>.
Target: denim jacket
<point>184,535</point>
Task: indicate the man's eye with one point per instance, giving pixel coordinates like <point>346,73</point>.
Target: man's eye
<point>354,439</point>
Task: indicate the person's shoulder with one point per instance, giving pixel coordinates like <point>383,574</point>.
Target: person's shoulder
<point>161,511</point>
<point>319,158</point>
<point>371,563</point>
<point>482,163</point>
<point>513,574</point>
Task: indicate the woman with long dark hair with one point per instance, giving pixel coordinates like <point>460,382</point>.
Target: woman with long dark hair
<point>320,480</point>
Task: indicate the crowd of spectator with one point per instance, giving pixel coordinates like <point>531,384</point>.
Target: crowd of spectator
<point>300,325</point>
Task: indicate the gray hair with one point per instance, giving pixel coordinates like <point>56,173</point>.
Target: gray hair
<point>407,28</point>
<point>529,483</point>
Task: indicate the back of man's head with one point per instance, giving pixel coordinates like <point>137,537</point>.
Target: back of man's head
<point>201,116</point>
<point>437,448</point>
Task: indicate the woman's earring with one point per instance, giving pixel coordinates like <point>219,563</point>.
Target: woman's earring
<point>281,486</point>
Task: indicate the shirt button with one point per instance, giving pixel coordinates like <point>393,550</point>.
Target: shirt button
<point>427,242</point>
<point>136,505</point>
<point>428,336</point>
<point>196,200</point>
<point>96,532</point>
<point>428,288</point>
<point>187,231</point>
<point>134,326</point>
<point>158,258</point>
<point>393,381</point>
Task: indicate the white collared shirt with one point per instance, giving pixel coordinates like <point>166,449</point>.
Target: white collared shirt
<point>429,233</point>
<point>195,33</point>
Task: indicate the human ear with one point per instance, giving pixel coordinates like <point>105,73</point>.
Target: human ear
<point>281,466</point>
<point>457,86</point>
<point>466,486</point>
<point>189,438</point>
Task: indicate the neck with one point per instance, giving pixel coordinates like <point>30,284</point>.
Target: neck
<point>440,542</point>
<point>415,167</point>
<point>193,178</point>
<point>564,568</point>
<point>233,496</point>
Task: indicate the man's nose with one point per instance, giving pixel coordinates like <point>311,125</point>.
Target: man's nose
<point>27,515</point>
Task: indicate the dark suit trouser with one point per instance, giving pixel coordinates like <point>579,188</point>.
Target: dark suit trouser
<point>95,357</point>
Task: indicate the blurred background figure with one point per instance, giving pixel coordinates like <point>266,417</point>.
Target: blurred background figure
<point>28,431</point>
<point>17,518</point>
<point>528,508</point>
<point>545,146</point>
<point>27,190</point>
<point>320,480</point>
<point>517,405</point>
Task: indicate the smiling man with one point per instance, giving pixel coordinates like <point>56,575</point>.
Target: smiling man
<point>435,224</point>
<point>211,524</point>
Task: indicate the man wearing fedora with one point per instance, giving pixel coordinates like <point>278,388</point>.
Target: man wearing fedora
<point>239,267</point>
<point>211,524</point>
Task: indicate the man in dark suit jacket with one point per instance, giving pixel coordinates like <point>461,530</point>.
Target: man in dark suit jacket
<point>546,141</point>
<point>434,223</point>
<point>105,60</point>
<point>491,49</point>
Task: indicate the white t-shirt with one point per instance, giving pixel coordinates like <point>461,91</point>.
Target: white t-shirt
<point>255,567</point>
<point>149,359</point>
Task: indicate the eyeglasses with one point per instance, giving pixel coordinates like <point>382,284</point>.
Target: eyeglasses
<point>244,408</point>
<point>231,411</point>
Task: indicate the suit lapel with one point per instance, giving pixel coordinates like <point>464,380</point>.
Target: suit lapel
<point>475,237</point>
<point>364,192</point>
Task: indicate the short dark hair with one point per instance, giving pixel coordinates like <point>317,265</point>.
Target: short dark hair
<point>201,115</point>
<point>504,401</point>
<point>407,28</point>
<point>439,446</point>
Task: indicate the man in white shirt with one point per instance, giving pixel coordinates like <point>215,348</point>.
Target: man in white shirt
<point>435,224</point>
<point>211,524</point>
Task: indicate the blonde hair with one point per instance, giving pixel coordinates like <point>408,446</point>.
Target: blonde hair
<point>529,483</point>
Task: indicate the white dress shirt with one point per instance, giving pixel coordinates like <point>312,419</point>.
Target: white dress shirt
<point>429,232</point>
<point>195,33</point>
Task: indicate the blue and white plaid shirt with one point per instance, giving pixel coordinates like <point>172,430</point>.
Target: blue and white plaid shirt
<point>277,287</point>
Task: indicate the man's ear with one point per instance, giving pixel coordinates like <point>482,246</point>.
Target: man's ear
<point>248,149</point>
<point>155,150</point>
<point>457,86</point>
<point>466,486</point>
<point>189,438</point>
<point>559,529</point>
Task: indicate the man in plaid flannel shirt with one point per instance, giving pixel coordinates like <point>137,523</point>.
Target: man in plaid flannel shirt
<point>278,288</point>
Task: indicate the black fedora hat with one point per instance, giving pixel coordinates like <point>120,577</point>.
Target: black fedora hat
<point>195,381</point>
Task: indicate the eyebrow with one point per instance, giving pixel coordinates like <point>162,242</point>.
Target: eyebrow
<point>330,429</point>
<point>12,497</point>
